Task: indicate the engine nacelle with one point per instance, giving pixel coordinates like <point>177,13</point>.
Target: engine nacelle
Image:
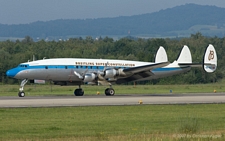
<point>111,73</point>
<point>89,77</point>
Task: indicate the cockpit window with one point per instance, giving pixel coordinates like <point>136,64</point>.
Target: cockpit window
<point>23,66</point>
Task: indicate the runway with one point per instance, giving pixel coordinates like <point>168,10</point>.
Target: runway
<point>96,100</point>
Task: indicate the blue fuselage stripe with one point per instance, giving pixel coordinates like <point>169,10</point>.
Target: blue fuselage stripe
<point>13,72</point>
<point>86,67</point>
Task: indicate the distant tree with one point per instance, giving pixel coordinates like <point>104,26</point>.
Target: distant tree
<point>196,36</point>
<point>89,39</point>
<point>107,39</point>
<point>27,39</point>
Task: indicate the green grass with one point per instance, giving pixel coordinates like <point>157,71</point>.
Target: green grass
<point>134,123</point>
<point>143,122</point>
<point>37,90</point>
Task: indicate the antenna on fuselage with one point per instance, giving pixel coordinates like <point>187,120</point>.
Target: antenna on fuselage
<point>33,57</point>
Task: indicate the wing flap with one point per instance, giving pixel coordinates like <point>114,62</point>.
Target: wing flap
<point>134,77</point>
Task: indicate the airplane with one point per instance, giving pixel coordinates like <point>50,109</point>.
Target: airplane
<point>78,71</point>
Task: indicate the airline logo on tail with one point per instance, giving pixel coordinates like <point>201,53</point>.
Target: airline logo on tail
<point>211,55</point>
<point>210,59</point>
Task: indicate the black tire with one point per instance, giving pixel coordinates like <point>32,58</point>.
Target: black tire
<point>106,92</point>
<point>79,92</point>
<point>21,94</point>
<point>109,92</point>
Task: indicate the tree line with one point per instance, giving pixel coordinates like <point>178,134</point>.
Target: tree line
<point>13,53</point>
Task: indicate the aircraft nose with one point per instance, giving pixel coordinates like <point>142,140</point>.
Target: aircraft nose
<point>11,73</point>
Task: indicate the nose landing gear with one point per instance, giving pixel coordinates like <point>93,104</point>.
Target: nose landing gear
<point>21,92</point>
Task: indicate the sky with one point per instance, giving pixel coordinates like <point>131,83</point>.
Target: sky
<point>28,11</point>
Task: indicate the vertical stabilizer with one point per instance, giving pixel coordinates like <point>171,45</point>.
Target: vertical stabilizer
<point>210,59</point>
<point>185,55</point>
<point>161,55</point>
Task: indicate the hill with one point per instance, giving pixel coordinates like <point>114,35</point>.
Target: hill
<point>178,21</point>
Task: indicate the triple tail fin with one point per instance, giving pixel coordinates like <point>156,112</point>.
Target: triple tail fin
<point>161,55</point>
<point>210,59</point>
<point>185,57</point>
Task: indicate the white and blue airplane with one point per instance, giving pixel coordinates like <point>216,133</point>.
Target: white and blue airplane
<point>77,71</point>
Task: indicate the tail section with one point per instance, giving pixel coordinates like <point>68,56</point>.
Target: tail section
<point>210,59</point>
<point>185,56</point>
<point>161,55</point>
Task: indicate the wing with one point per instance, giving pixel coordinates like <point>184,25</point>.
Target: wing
<point>145,67</point>
<point>140,72</point>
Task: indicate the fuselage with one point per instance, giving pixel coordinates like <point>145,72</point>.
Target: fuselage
<point>62,69</point>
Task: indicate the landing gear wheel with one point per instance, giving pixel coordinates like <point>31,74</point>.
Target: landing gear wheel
<point>21,94</point>
<point>79,92</point>
<point>109,92</point>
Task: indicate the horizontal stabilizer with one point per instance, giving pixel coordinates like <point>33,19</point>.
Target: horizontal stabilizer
<point>190,64</point>
<point>161,55</point>
<point>210,59</point>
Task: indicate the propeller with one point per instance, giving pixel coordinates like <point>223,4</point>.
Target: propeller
<point>81,76</point>
<point>102,73</point>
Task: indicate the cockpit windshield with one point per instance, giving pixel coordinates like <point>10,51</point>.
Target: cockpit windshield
<point>22,66</point>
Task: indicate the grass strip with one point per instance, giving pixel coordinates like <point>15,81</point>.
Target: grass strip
<point>142,122</point>
<point>39,90</point>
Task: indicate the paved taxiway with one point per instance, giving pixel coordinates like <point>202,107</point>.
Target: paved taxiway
<point>58,101</point>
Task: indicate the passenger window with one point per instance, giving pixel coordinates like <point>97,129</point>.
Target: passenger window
<point>46,67</point>
<point>66,67</point>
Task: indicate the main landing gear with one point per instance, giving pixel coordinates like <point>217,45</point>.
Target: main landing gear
<point>21,92</point>
<point>109,92</point>
<point>80,92</point>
